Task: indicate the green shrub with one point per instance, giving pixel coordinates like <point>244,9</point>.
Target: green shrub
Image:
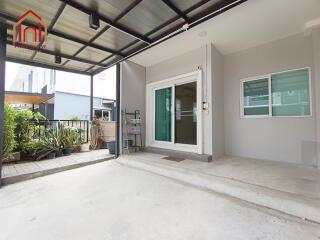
<point>22,131</point>
<point>9,127</point>
<point>69,136</point>
<point>25,128</point>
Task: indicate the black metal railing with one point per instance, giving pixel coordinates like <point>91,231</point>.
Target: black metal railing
<point>40,127</point>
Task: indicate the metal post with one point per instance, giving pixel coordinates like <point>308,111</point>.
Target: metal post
<point>118,110</point>
<point>3,40</point>
<point>91,97</point>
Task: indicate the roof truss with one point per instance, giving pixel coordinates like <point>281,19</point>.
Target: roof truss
<point>168,27</point>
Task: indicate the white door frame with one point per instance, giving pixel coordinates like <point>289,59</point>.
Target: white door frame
<point>195,76</point>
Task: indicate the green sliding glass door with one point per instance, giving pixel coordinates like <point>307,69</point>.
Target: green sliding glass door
<point>163,114</point>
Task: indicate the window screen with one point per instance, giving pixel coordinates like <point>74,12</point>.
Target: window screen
<point>290,93</point>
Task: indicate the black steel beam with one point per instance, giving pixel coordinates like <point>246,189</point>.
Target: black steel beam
<point>176,10</point>
<point>3,47</point>
<point>85,43</point>
<point>50,27</point>
<point>215,10</point>
<point>108,21</point>
<point>43,65</point>
<point>118,112</point>
<point>190,9</point>
<point>43,50</point>
<point>63,35</point>
<point>122,14</point>
<point>91,97</point>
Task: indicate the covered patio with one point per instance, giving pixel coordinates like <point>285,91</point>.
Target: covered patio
<point>284,187</point>
<point>86,38</point>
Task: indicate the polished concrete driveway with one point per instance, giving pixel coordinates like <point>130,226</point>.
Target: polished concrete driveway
<point>110,201</point>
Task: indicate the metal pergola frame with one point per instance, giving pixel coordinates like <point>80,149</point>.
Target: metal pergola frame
<point>141,41</point>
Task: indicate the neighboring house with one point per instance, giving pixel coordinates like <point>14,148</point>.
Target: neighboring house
<point>68,105</point>
<point>63,105</point>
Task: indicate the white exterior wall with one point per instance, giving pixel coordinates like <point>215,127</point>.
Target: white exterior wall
<point>281,139</point>
<point>67,105</point>
<point>133,90</point>
<point>218,139</point>
<point>316,59</point>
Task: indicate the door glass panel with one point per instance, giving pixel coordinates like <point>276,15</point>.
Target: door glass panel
<point>185,113</point>
<point>163,114</point>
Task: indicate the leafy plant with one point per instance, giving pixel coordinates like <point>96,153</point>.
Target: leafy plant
<point>9,134</point>
<point>25,127</point>
<point>38,117</point>
<point>69,137</point>
<point>49,143</point>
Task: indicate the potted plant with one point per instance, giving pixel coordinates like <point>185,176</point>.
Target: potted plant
<point>50,145</point>
<point>70,138</point>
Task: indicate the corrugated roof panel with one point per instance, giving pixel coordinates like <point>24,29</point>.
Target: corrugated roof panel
<point>172,25</point>
<point>203,8</point>
<point>46,59</point>
<point>111,59</point>
<point>20,53</point>
<point>76,23</point>
<point>46,9</point>
<point>128,49</point>
<point>93,54</point>
<point>77,65</point>
<point>108,8</point>
<point>147,15</point>
<point>61,45</point>
<point>184,4</point>
<point>114,39</point>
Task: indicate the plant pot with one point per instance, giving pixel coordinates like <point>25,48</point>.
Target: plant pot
<point>104,145</point>
<point>16,156</point>
<point>85,147</point>
<point>59,153</point>
<point>76,148</point>
<point>51,155</point>
<point>112,147</point>
<point>67,151</point>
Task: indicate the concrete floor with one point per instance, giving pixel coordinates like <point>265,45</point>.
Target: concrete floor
<point>111,201</point>
<point>21,171</point>
<point>285,177</point>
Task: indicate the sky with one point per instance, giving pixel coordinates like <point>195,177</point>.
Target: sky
<point>104,83</point>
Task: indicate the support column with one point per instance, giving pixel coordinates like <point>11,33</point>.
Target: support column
<point>316,74</point>
<point>3,40</point>
<point>91,97</point>
<point>118,111</point>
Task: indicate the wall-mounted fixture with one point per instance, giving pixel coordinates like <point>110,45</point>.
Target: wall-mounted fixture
<point>57,59</point>
<point>94,22</point>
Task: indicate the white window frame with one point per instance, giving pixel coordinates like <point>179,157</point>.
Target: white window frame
<point>269,76</point>
<point>103,112</point>
<point>150,112</point>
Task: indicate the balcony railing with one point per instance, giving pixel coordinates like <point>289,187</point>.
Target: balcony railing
<point>40,127</point>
